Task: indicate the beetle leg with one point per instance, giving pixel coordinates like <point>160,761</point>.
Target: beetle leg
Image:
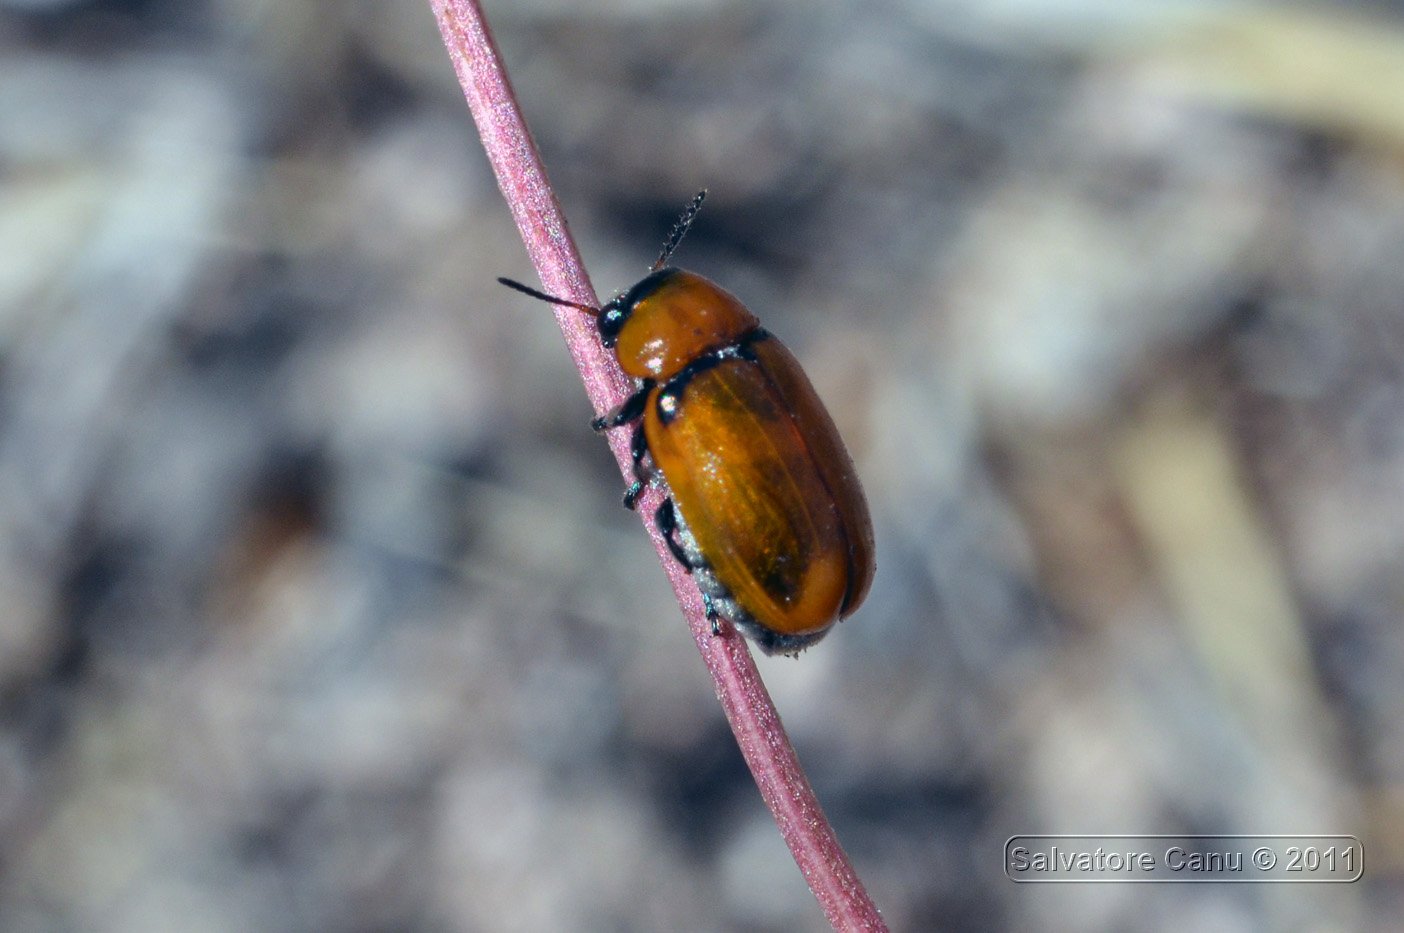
<point>712,613</point>
<point>667,522</point>
<point>629,410</point>
<point>638,449</point>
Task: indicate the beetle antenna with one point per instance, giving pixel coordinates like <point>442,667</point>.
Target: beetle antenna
<point>680,230</point>
<point>528,290</point>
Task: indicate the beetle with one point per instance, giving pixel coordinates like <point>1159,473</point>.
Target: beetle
<point>765,508</point>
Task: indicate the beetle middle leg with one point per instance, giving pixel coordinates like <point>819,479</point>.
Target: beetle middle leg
<point>638,449</point>
<point>631,409</point>
<point>667,521</point>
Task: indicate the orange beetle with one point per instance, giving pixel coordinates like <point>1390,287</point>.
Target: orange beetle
<point>765,509</point>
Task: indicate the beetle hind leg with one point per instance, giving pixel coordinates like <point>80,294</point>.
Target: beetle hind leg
<point>712,615</point>
<point>667,521</point>
<point>717,601</point>
<point>669,527</point>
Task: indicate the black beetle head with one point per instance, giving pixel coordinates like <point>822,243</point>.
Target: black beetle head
<point>612,318</point>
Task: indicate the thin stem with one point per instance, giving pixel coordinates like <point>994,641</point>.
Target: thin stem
<point>743,696</point>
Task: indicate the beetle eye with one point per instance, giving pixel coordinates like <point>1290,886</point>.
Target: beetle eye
<point>611,321</point>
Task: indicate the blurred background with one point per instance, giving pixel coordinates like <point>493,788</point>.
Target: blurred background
<point>318,610</point>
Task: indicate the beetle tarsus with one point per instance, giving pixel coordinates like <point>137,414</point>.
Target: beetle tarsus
<point>631,495</point>
<point>712,615</point>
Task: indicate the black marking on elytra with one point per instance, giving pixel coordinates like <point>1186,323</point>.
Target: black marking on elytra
<point>669,402</point>
<point>781,580</point>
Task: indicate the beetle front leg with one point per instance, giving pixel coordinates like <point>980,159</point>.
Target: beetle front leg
<point>628,410</point>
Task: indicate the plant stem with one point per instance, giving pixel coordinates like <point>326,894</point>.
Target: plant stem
<point>745,701</point>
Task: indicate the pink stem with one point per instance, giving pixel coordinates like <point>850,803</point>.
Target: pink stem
<point>743,696</point>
